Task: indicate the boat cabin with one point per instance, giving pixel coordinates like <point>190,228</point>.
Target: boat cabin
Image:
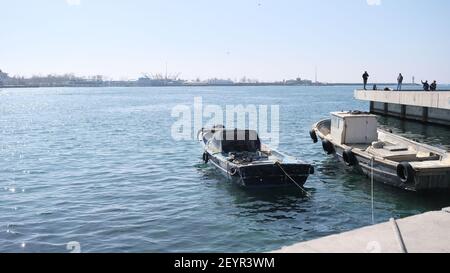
<point>353,127</point>
<point>238,141</point>
<point>359,130</point>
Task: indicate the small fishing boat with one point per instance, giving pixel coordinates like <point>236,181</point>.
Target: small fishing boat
<point>240,157</point>
<point>355,139</point>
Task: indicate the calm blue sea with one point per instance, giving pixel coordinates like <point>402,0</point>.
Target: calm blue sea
<point>98,166</point>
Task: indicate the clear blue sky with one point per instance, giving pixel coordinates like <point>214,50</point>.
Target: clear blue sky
<point>262,39</point>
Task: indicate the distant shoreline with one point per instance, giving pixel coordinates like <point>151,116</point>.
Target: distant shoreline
<point>201,85</point>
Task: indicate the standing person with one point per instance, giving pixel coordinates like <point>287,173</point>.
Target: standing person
<point>400,82</point>
<point>365,79</point>
<point>426,86</point>
<point>433,86</point>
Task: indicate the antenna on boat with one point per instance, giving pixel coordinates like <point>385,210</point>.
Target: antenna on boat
<point>165,79</point>
<point>316,75</point>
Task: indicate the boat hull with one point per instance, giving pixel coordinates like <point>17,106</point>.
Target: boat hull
<point>384,171</point>
<point>264,175</point>
<point>250,164</point>
<point>387,174</point>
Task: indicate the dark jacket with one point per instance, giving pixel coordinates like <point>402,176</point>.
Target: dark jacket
<point>365,76</point>
<point>433,87</point>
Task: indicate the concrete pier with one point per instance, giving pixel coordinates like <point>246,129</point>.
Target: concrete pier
<point>425,233</point>
<point>429,107</point>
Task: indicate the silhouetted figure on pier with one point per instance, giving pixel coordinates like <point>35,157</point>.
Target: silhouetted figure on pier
<point>400,82</point>
<point>375,87</point>
<point>426,86</point>
<point>365,79</point>
<point>433,86</point>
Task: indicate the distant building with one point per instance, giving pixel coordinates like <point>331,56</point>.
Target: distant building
<point>159,81</point>
<point>147,81</point>
<point>298,81</point>
<point>220,82</point>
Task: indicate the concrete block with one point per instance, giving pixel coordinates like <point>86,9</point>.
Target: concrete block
<point>395,109</point>
<point>432,107</point>
<point>439,99</point>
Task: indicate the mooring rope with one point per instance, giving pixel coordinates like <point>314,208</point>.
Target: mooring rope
<point>372,192</point>
<point>398,236</point>
<point>292,179</point>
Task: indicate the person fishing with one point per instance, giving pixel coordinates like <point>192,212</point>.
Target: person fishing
<point>400,82</point>
<point>433,86</point>
<point>426,86</point>
<point>365,77</point>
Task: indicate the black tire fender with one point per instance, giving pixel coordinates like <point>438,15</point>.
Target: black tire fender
<point>234,171</point>
<point>349,158</point>
<point>313,136</point>
<point>328,147</point>
<point>405,172</point>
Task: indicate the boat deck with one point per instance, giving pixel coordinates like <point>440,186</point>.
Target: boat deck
<point>402,155</point>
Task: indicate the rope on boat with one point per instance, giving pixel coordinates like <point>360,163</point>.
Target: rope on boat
<point>292,179</point>
<point>399,236</point>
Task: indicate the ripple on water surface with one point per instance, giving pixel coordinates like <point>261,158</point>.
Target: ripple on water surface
<point>99,167</point>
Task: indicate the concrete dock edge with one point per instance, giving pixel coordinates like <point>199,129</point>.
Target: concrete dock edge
<point>427,107</point>
<point>424,233</point>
